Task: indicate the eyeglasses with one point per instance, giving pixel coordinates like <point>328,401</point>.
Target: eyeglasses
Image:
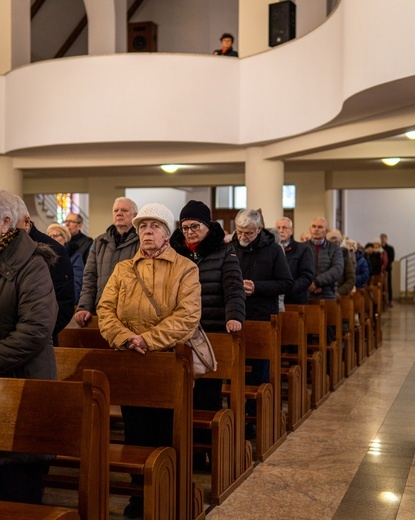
<point>56,235</point>
<point>71,222</point>
<point>284,228</point>
<point>193,227</point>
<point>246,233</point>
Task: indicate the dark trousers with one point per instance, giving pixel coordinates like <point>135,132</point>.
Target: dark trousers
<point>389,271</point>
<point>258,375</point>
<point>207,395</point>
<point>147,427</point>
<point>22,482</point>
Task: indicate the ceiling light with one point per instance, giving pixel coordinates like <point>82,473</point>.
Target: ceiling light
<point>169,168</point>
<point>411,134</point>
<point>391,161</point>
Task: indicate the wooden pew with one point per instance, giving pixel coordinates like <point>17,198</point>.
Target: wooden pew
<point>349,336</point>
<point>360,332</point>
<point>157,380</point>
<point>369,322</point>
<point>334,345</point>
<point>87,337</point>
<point>69,419</point>
<point>292,326</point>
<point>231,455</point>
<point>376,292</point>
<point>316,330</point>
<point>262,341</point>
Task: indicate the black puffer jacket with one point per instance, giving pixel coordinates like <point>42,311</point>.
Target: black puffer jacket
<point>263,261</point>
<point>223,295</point>
<point>28,310</point>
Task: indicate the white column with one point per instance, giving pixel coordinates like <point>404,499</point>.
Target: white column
<point>14,34</point>
<point>330,207</point>
<point>101,26</point>
<point>10,179</point>
<point>121,26</point>
<point>264,180</point>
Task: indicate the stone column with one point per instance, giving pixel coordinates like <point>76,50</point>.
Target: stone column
<point>264,181</point>
<point>14,34</point>
<point>10,179</point>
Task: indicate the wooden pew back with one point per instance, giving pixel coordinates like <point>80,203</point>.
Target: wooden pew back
<point>87,337</point>
<point>156,380</point>
<point>263,341</point>
<point>70,419</point>
<point>230,354</point>
<point>293,331</point>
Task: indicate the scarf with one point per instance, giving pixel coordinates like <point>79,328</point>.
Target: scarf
<point>7,238</point>
<point>158,252</point>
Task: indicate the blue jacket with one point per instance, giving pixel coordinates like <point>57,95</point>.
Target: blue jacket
<point>362,270</point>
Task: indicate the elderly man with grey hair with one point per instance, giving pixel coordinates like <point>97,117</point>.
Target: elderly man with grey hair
<point>266,275</point>
<point>328,262</point>
<point>119,242</point>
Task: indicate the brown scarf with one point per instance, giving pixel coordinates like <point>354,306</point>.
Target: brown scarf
<point>7,238</point>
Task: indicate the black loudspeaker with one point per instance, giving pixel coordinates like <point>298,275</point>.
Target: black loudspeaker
<point>142,37</point>
<point>281,22</point>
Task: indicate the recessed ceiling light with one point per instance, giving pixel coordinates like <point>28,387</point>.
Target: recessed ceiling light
<point>391,161</point>
<point>410,134</point>
<point>169,168</point>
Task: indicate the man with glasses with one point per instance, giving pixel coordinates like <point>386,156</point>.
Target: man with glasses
<point>300,261</point>
<point>266,276</point>
<point>79,241</point>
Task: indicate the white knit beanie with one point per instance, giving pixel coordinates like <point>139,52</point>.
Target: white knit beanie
<point>155,211</point>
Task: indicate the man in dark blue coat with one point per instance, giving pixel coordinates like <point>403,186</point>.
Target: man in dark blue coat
<point>300,261</point>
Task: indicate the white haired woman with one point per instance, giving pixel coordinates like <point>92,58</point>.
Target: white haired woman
<point>28,311</point>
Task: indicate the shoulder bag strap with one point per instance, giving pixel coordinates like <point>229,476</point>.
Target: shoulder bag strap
<point>147,293</point>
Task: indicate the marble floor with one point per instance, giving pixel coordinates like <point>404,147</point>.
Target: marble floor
<point>353,459</point>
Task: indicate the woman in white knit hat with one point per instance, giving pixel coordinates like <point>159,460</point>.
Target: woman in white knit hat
<point>125,313</point>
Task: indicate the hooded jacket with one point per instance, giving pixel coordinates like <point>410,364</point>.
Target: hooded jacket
<point>263,261</point>
<point>223,295</point>
<point>103,257</point>
<point>28,310</point>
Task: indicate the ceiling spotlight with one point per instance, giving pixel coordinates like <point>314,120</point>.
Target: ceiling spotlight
<point>391,161</point>
<point>169,168</point>
<point>411,134</point>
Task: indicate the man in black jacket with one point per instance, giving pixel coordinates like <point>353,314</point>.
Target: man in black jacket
<point>390,251</point>
<point>300,261</point>
<point>61,271</point>
<point>80,242</point>
<point>266,276</point>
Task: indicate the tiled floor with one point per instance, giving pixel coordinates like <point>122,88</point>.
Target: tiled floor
<point>353,458</point>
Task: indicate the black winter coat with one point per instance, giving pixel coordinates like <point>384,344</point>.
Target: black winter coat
<point>300,261</point>
<point>263,261</point>
<point>223,295</point>
<point>62,278</point>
